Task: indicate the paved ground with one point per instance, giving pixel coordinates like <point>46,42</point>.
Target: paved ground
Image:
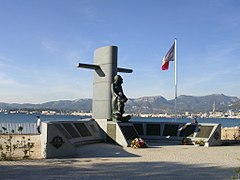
<point>105,161</point>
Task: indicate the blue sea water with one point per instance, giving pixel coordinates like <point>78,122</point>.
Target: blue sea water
<point>31,118</point>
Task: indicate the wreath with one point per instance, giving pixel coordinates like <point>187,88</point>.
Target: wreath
<point>138,143</point>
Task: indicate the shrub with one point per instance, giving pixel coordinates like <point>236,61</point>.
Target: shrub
<point>8,145</point>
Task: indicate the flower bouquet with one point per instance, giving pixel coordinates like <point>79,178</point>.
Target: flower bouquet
<point>138,143</point>
<point>185,141</point>
<point>200,142</point>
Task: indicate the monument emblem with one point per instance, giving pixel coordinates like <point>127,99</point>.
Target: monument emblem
<point>57,142</point>
<point>108,97</point>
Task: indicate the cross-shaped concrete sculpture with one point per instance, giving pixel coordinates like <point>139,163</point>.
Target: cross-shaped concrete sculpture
<point>105,68</point>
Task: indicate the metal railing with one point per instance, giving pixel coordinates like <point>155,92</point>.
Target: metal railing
<point>13,128</point>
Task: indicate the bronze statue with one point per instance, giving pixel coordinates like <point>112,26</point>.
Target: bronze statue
<point>118,100</point>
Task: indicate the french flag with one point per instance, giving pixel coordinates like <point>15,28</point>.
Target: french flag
<point>168,57</point>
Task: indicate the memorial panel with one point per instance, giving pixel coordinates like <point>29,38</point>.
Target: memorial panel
<point>204,131</point>
<point>153,129</point>
<point>188,131</point>
<point>63,131</point>
<point>82,129</point>
<point>139,128</point>
<point>93,128</point>
<point>70,130</point>
<point>129,132</point>
<point>170,130</point>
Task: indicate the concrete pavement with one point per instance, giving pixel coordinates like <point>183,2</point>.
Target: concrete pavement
<point>106,161</point>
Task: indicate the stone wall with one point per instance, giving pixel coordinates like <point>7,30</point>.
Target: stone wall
<point>230,133</point>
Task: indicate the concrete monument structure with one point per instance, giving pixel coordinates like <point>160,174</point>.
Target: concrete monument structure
<point>108,96</point>
<point>108,124</point>
<point>62,138</point>
<point>105,69</point>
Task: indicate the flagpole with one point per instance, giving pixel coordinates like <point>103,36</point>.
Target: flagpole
<point>175,77</point>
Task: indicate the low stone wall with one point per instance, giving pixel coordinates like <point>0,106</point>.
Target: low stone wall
<point>58,139</point>
<point>61,138</point>
<point>209,133</point>
<point>20,140</point>
<point>230,133</point>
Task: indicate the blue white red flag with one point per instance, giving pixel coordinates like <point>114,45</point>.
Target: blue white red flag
<point>168,57</point>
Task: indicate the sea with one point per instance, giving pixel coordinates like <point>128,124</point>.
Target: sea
<point>31,118</point>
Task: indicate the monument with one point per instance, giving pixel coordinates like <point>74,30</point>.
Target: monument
<point>108,96</point>
<point>107,90</point>
<point>108,123</point>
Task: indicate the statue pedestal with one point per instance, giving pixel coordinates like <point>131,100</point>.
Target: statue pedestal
<point>121,133</point>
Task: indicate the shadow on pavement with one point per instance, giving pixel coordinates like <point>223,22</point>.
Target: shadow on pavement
<point>106,161</point>
<point>118,170</point>
<point>102,150</point>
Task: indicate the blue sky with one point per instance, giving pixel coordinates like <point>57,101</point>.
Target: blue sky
<point>43,41</point>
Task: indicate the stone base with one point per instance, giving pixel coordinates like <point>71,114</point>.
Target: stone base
<point>119,118</point>
<point>121,133</point>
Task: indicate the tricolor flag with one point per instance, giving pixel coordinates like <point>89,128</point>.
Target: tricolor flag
<point>168,57</point>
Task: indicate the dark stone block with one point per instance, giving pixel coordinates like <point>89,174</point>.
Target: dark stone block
<point>70,130</point>
<point>82,129</point>
<point>63,131</point>
<point>128,131</point>
<point>204,131</point>
<point>170,130</point>
<point>139,128</point>
<point>153,130</point>
<point>93,128</point>
<point>188,131</point>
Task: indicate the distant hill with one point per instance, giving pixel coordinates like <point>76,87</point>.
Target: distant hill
<point>205,103</point>
<point>84,105</point>
<point>192,104</point>
<point>234,106</point>
<point>152,104</point>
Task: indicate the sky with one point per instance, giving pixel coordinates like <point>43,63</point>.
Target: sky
<point>43,41</point>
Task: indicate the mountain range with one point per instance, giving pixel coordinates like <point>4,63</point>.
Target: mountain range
<point>150,105</point>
